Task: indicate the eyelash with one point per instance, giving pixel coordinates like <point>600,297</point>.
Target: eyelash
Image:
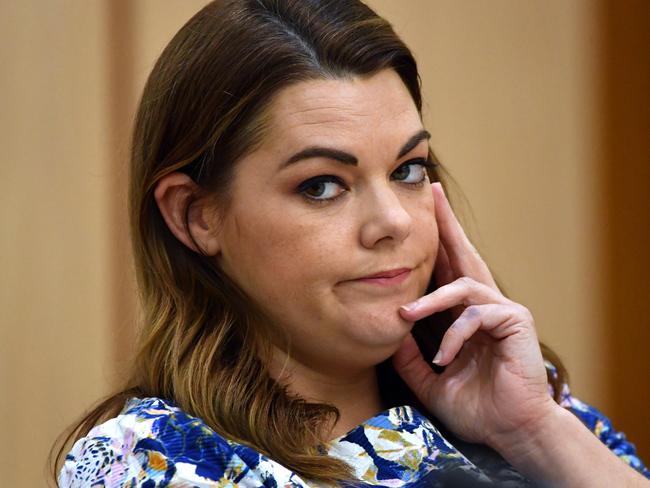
<point>425,163</point>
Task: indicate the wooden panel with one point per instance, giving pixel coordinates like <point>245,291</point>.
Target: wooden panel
<point>121,113</point>
<point>626,211</point>
<point>55,242</point>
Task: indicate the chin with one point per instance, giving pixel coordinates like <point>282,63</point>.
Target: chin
<point>383,337</point>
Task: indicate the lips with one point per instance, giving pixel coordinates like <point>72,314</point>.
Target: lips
<point>391,273</point>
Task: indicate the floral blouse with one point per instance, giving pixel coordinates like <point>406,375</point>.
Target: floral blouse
<point>153,444</point>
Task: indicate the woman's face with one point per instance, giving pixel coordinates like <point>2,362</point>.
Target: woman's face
<point>302,230</point>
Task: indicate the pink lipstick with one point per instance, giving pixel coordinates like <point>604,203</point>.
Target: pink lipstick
<point>387,278</point>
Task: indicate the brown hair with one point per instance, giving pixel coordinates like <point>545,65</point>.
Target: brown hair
<point>202,109</point>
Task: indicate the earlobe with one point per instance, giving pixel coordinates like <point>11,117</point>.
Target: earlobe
<point>177,196</point>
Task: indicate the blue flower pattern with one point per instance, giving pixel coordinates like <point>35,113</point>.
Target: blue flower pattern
<point>154,444</point>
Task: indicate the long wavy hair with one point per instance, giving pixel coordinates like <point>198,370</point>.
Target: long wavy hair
<point>205,105</point>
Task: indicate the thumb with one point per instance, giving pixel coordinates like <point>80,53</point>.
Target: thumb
<point>416,373</point>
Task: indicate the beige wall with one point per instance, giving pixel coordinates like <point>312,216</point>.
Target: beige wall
<point>55,317</point>
<point>514,100</point>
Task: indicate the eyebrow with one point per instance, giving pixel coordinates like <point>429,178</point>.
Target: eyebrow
<point>347,158</point>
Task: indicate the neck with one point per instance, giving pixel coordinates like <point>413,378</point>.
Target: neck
<point>354,393</point>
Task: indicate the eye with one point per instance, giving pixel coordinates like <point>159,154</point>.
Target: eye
<point>320,188</point>
<point>406,174</point>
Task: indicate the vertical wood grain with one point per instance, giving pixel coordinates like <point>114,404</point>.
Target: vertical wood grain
<point>626,213</point>
<point>122,90</point>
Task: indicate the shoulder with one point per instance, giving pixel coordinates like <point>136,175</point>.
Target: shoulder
<point>153,441</point>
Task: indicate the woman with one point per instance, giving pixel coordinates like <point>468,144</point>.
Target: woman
<point>298,261</point>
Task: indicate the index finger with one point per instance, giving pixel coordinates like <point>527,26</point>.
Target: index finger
<point>463,257</point>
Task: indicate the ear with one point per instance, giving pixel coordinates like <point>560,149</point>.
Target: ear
<point>173,194</point>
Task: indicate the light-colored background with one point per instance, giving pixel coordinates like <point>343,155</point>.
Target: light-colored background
<point>539,109</point>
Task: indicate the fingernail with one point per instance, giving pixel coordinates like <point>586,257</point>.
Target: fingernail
<point>438,357</point>
<point>409,307</point>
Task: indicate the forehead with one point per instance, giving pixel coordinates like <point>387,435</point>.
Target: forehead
<point>374,107</point>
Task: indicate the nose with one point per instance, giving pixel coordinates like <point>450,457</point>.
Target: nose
<point>384,218</point>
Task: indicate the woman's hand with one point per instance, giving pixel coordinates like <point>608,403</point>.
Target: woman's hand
<point>494,383</point>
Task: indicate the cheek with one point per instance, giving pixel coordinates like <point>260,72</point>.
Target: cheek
<point>278,255</point>
<point>426,233</point>
<point>425,217</point>
<point>287,266</point>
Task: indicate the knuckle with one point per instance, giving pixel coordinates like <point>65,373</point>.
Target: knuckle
<point>524,312</point>
<point>471,312</point>
<point>467,281</point>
